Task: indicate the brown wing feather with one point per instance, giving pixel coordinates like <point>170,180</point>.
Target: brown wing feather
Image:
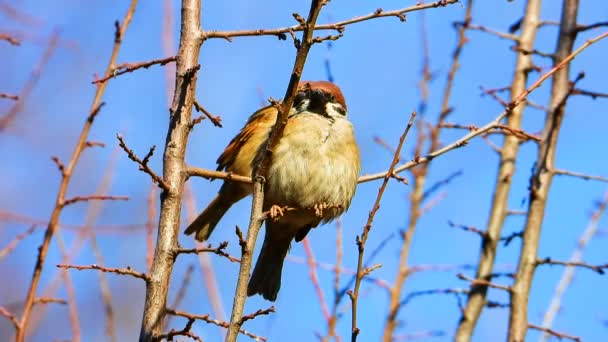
<point>251,135</point>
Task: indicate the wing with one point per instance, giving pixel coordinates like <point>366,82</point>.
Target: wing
<point>238,155</point>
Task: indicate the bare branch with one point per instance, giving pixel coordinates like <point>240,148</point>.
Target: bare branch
<point>65,180</point>
<point>11,246</point>
<point>577,255</point>
<point>560,172</point>
<point>10,39</point>
<point>9,96</point>
<point>212,174</point>
<point>207,319</point>
<point>124,68</point>
<point>216,120</point>
<point>76,199</point>
<point>554,333</point>
<point>143,164</point>
<point>338,26</point>
<point>219,250</point>
<point>595,268</point>
<point>122,271</point>
<point>354,295</point>
<point>260,312</point>
<point>477,282</point>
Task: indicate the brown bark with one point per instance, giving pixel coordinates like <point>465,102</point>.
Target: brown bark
<point>508,154</point>
<point>540,183</point>
<point>174,171</point>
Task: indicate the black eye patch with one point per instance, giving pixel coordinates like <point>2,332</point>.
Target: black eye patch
<point>297,101</point>
<point>340,110</point>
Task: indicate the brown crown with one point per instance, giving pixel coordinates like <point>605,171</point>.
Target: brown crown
<point>327,87</point>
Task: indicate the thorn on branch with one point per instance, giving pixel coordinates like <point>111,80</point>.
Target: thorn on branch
<point>328,37</point>
<point>95,144</point>
<point>143,164</point>
<point>49,300</point>
<point>11,40</point>
<point>242,241</point>
<point>216,120</point>
<point>117,33</point>
<point>59,164</point>
<point>95,111</point>
<point>9,97</point>
<point>299,19</point>
<point>509,238</point>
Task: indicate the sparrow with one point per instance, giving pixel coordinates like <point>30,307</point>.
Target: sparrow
<point>313,173</point>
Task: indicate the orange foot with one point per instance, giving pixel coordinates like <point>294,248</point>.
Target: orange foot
<point>319,207</point>
<point>276,212</point>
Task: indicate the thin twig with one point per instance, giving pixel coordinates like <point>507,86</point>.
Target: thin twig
<point>579,175</point>
<point>338,26</point>
<point>122,271</point>
<point>124,68</point>
<point>143,163</point>
<point>595,268</point>
<point>276,132</point>
<point>568,275</point>
<point>216,120</point>
<point>76,199</point>
<point>310,258</point>
<point>207,319</point>
<point>361,240</point>
<point>11,246</point>
<point>66,177</point>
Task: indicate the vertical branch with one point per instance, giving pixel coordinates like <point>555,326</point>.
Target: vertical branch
<point>419,174</point>
<point>204,260</point>
<point>256,219</point>
<point>69,287</point>
<point>568,274</point>
<point>174,174</point>
<point>94,210</point>
<point>150,227</point>
<point>168,45</point>
<point>333,319</point>
<point>540,182</point>
<point>66,176</point>
<point>310,258</point>
<point>29,86</point>
<point>508,154</point>
<point>354,295</point>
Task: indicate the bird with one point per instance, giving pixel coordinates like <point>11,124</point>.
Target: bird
<point>313,172</point>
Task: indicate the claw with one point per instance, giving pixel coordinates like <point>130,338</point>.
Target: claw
<point>275,212</point>
<point>319,207</point>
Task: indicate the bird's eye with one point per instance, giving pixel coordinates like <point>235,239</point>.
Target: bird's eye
<point>340,110</point>
<point>299,97</point>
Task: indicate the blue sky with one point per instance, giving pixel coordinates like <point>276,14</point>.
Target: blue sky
<point>377,64</point>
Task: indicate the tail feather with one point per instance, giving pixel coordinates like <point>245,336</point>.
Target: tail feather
<point>206,221</point>
<point>266,277</point>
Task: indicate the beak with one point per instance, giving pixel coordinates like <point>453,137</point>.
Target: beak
<point>318,100</point>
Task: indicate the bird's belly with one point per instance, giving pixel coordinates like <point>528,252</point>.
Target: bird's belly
<point>304,174</point>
